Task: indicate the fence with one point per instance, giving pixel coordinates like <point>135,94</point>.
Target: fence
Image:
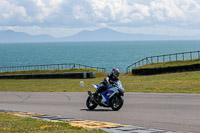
<point>48,67</point>
<point>165,58</point>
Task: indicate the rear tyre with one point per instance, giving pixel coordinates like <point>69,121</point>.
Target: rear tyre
<point>90,103</point>
<point>117,102</point>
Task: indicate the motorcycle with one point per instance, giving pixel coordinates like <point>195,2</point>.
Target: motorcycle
<point>112,97</point>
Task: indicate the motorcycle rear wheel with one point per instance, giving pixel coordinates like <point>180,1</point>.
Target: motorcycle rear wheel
<point>90,103</point>
<point>117,102</point>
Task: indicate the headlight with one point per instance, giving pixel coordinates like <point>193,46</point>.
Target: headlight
<point>121,90</point>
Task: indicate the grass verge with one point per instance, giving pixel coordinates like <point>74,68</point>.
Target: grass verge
<point>10,123</point>
<point>184,82</point>
<point>97,73</point>
<point>170,64</point>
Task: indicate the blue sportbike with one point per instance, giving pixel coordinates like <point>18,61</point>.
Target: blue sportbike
<point>112,97</point>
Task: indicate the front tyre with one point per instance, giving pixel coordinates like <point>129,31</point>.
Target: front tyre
<point>117,102</point>
<point>90,103</point>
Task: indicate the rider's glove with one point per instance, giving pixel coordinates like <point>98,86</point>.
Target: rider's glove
<point>111,82</point>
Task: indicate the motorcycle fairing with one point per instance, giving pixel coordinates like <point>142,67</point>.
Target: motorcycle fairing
<point>95,86</point>
<point>106,95</point>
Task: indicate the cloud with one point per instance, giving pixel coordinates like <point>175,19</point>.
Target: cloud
<point>79,12</point>
<point>107,10</point>
<point>47,8</point>
<point>166,10</point>
<point>85,13</point>
<point>130,13</point>
<point>142,9</point>
<point>9,11</point>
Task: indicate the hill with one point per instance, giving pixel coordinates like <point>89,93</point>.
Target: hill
<point>12,36</point>
<point>104,34</point>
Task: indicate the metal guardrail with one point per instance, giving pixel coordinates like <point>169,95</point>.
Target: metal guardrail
<point>71,75</point>
<point>165,58</point>
<point>48,67</point>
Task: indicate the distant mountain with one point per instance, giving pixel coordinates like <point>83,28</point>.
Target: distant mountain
<point>104,34</point>
<point>12,36</point>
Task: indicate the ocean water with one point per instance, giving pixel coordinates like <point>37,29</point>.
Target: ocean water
<point>97,54</point>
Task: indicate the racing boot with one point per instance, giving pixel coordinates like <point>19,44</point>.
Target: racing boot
<point>92,96</point>
<point>96,94</point>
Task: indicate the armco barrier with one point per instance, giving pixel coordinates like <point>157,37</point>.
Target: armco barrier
<point>77,75</point>
<point>49,67</point>
<point>165,58</point>
<point>151,71</point>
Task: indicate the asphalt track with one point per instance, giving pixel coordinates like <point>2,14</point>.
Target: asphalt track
<point>172,112</point>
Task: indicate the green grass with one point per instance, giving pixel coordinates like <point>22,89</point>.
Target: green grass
<point>50,85</point>
<point>170,64</point>
<point>12,124</point>
<point>185,82</point>
<point>47,85</point>
<point>98,73</point>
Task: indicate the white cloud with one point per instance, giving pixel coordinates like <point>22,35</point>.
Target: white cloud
<point>100,13</point>
<point>142,9</point>
<point>9,10</point>
<point>167,10</point>
<point>47,8</point>
<point>79,12</point>
<point>134,13</point>
<point>191,9</point>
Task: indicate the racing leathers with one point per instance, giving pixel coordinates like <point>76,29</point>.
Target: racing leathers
<point>108,80</point>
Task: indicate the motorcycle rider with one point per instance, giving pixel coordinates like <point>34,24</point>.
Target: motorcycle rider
<point>108,80</point>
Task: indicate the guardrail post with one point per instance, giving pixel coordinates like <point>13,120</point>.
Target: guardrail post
<point>163,58</point>
<point>157,59</point>
<point>146,60</point>
<point>73,66</point>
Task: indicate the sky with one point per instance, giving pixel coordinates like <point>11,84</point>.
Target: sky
<point>61,18</point>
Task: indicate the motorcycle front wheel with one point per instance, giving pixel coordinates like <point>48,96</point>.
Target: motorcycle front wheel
<point>117,102</point>
<point>90,103</point>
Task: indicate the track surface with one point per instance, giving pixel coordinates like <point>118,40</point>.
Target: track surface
<point>174,112</point>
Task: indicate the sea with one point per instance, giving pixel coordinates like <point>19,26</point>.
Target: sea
<point>97,54</point>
